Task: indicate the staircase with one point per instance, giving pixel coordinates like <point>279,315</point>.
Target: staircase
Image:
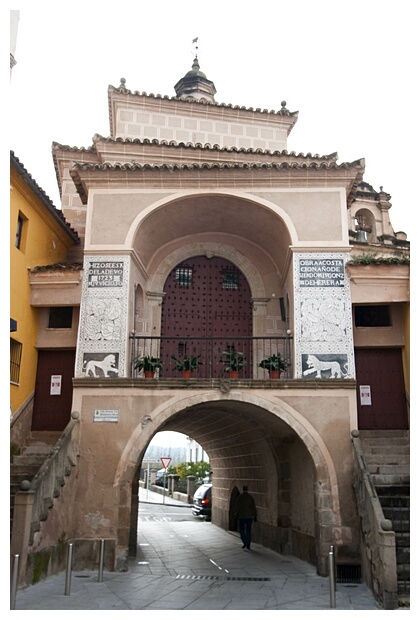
<point>38,446</point>
<point>387,456</point>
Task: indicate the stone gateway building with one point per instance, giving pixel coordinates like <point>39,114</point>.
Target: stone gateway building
<point>203,237</point>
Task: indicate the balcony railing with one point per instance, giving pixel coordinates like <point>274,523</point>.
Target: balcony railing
<point>211,355</point>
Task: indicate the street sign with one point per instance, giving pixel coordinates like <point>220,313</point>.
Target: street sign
<point>165,461</point>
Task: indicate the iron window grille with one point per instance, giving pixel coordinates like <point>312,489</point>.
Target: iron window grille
<point>184,277</point>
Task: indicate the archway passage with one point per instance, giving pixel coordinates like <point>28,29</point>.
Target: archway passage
<point>248,444</point>
<point>206,310</point>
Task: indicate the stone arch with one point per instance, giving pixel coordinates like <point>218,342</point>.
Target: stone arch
<point>151,424</point>
<point>247,197</point>
<point>366,222</point>
<point>252,275</point>
<point>327,506</point>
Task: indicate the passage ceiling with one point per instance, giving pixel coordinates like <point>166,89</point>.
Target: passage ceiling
<point>213,214</point>
<point>224,427</point>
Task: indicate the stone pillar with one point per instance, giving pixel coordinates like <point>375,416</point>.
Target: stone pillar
<point>190,488</point>
<point>172,484</point>
<point>153,476</point>
<point>21,530</point>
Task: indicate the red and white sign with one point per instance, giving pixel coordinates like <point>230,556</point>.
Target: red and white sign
<point>165,461</point>
<point>365,395</point>
<point>55,386</point>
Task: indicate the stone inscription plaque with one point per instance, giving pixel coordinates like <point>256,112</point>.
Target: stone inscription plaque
<point>321,272</point>
<point>105,274</point>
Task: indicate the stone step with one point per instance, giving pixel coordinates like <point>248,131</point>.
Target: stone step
<point>404,595</point>
<point>43,449</point>
<point>396,513</point>
<point>403,572</point>
<point>403,548</point>
<point>384,440</point>
<point>403,557</point>
<point>386,449</point>
<point>400,527</point>
<point>19,469</point>
<point>16,479</point>
<point>30,460</point>
<point>43,437</point>
<point>387,459</point>
<point>393,490</point>
<point>381,479</point>
<point>384,434</point>
<point>392,470</point>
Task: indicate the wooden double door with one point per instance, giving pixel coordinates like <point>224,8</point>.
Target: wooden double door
<point>206,310</point>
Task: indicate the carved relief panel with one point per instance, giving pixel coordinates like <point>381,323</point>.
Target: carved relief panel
<point>103,317</point>
<point>323,319</point>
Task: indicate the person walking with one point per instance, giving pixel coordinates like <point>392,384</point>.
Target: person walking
<point>246,513</point>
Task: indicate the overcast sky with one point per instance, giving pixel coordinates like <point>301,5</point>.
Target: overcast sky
<point>348,67</point>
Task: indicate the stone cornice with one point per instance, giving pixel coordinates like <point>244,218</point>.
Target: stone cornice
<point>213,175</point>
<point>194,384</point>
<point>166,104</point>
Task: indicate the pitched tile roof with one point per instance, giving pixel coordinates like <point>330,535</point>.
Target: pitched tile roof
<point>132,167</point>
<point>43,197</point>
<point>122,89</point>
<point>189,145</point>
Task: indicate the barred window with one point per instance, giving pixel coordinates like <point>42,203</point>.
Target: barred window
<point>230,279</point>
<point>15,357</point>
<point>183,277</point>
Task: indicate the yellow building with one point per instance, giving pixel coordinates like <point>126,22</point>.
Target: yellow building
<point>39,235</point>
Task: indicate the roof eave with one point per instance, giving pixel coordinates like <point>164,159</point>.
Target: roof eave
<point>44,199</point>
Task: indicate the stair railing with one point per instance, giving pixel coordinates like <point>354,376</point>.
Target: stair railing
<point>34,499</point>
<point>378,537</point>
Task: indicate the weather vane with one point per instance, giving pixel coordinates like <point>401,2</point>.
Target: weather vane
<point>196,47</point>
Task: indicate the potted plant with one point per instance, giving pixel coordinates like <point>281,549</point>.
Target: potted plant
<point>234,361</point>
<point>148,364</point>
<point>275,364</point>
<point>187,364</point>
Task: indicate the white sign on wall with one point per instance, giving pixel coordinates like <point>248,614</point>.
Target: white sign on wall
<point>106,415</point>
<point>365,395</point>
<point>55,386</point>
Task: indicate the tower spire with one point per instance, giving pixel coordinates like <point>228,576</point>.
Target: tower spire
<point>195,84</point>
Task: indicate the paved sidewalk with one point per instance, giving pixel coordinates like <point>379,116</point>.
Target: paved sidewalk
<point>194,565</point>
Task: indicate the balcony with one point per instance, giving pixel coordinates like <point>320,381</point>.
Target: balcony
<point>213,355</point>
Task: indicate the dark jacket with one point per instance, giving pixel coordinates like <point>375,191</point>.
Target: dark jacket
<point>245,507</point>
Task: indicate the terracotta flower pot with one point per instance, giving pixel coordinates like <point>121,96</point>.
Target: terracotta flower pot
<point>149,374</point>
<point>274,374</point>
<point>234,374</point>
<point>186,374</point>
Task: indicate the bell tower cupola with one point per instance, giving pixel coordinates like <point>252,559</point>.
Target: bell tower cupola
<point>195,85</point>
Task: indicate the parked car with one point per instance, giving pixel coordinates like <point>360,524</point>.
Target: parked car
<point>202,502</point>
